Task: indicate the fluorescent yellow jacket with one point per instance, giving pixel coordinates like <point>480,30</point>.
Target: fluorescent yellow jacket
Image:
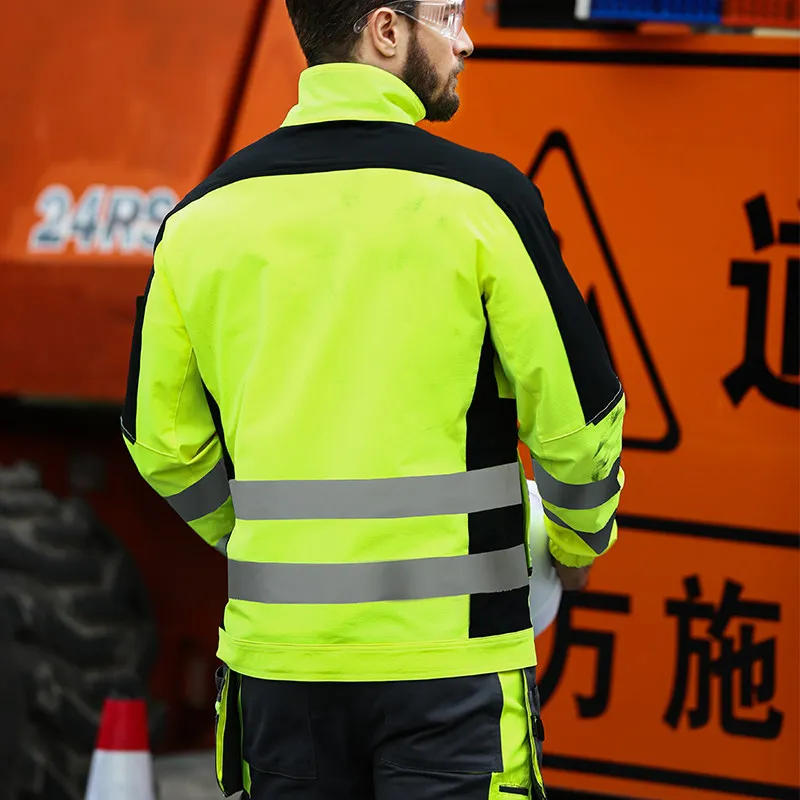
<point>343,325</point>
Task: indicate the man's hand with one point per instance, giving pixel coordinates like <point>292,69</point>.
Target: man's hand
<point>573,579</point>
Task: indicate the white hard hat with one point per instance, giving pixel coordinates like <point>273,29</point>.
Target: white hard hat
<point>546,587</point>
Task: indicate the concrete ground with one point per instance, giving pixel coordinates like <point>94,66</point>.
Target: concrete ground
<point>187,777</point>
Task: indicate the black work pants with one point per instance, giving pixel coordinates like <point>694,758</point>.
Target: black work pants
<point>470,738</point>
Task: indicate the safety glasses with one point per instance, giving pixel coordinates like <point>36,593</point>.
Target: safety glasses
<point>443,16</point>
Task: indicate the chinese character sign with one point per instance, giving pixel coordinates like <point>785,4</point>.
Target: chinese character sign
<point>754,275</point>
<point>724,653</point>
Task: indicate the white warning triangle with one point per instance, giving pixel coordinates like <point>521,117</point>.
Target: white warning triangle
<point>650,423</point>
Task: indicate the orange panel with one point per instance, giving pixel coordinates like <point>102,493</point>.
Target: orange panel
<point>642,709</point>
<point>118,108</point>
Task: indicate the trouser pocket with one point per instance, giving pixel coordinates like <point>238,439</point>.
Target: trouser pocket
<point>278,739</point>
<point>228,729</point>
<point>535,730</point>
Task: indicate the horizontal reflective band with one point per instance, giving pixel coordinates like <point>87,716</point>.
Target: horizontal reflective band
<point>373,582</point>
<point>597,541</point>
<point>579,497</point>
<point>203,497</point>
<point>380,498</point>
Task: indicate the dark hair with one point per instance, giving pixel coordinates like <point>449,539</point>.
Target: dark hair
<point>325,27</point>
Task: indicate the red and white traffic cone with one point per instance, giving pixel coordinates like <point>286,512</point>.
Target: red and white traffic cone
<point>122,766</point>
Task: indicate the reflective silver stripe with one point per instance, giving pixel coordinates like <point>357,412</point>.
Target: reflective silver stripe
<point>203,497</point>
<point>380,498</point>
<point>222,545</point>
<point>597,541</point>
<point>579,497</point>
<point>372,582</point>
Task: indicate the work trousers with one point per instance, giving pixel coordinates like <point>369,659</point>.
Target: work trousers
<point>468,738</point>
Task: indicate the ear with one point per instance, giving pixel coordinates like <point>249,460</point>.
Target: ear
<point>383,30</point>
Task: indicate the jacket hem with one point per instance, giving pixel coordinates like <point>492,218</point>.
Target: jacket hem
<point>378,662</point>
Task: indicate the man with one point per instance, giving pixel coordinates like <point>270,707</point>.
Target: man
<point>343,325</point>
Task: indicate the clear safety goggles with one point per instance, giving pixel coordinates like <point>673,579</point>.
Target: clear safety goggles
<point>443,16</point>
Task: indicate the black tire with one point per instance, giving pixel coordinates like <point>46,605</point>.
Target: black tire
<point>76,612</point>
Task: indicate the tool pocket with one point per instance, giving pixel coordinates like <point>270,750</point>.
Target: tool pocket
<point>228,729</point>
<point>278,737</point>
<point>535,730</point>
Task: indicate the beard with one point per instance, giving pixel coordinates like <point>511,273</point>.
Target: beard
<point>419,74</point>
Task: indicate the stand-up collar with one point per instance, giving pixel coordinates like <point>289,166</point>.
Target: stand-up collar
<point>354,92</point>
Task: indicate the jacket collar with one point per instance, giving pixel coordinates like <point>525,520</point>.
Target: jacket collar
<point>346,91</point>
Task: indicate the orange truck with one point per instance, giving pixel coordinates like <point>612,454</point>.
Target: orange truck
<point>668,160</point>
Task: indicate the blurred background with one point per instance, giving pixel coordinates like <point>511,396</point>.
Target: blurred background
<point>664,136</point>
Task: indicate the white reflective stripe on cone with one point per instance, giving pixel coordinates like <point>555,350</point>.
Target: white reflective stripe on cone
<point>116,775</point>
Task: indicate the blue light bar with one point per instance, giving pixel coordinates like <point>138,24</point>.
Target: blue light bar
<point>695,12</point>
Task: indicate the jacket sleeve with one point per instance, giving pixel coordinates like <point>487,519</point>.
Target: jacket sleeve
<point>166,421</point>
<point>570,402</point>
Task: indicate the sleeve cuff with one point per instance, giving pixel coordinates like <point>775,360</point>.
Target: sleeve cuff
<point>569,559</point>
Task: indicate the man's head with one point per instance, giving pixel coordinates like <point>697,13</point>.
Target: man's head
<point>422,43</point>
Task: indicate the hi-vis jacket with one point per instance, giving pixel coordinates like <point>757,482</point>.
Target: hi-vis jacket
<point>343,325</point>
